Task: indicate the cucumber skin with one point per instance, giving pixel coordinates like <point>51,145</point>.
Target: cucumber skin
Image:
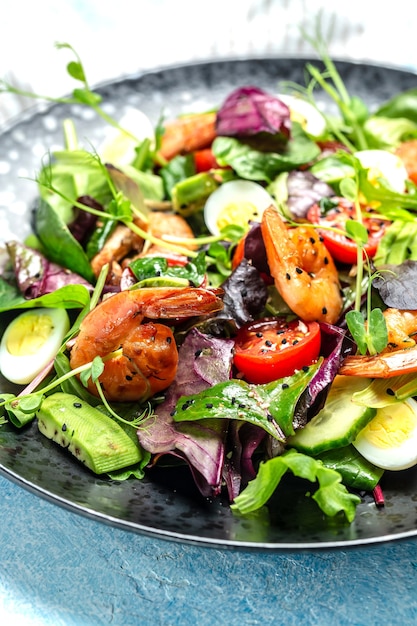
<point>338,423</point>
<point>95,439</point>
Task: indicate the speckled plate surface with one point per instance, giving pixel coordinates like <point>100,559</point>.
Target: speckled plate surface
<point>166,504</point>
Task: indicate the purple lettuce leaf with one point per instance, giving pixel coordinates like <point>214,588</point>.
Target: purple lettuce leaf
<point>332,349</point>
<point>35,275</point>
<point>396,284</point>
<point>249,111</point>
<point>84,223</point>
<point>245,294</point>
<point>239,469</point>
<point>203,361</point>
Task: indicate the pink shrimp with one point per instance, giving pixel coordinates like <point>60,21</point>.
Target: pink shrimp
<point>188,133</point>
<point>400,356</point>
<point>146,356</point>
<point>303,270</point>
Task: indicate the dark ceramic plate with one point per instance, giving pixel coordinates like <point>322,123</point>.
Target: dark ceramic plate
<point>166,504</point>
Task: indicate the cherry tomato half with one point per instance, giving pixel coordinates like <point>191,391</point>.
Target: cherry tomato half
<point>271,348</point>
<point>341,248</point>
<point>204,160</point>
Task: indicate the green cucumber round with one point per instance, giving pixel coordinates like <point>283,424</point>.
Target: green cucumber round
<point>338,422</point>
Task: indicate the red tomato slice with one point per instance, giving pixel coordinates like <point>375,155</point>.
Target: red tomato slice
<point>271,348</point>
<point>342,248</point>
<point>204,160</point>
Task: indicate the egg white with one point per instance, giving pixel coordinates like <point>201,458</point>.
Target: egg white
<point>236,202</point>
<point>118,147</point>
<point>21,368</point>
<point>389,440</point>
<point>306,114</point>
<point>385,165</point>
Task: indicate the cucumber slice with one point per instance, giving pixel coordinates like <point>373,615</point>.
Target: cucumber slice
<point>93,438</point>
<point>338,422</point>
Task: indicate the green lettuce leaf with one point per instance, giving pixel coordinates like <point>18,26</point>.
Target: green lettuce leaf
<point>331,495</point>
<point>254,164</point>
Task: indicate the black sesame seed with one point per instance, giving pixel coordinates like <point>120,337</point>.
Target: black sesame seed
<point>77,405</point>
<point>129,377</point>
<point>284,341</point>
<point>305,368</point>
<point>298,270</point>
<point>169,339</point>
<point>259,335</point>
<point>269,417</point>
<point>64,427</point>
<point>390,392</point>
<point>197,353</point>
<point>268,343</point>
<point>312,240</point>
<point>326,260</point>
<point>287,276</point>
<point>241,405</point>
<point>209,405</point>
<point>324,310</point>
<point>285,385</point>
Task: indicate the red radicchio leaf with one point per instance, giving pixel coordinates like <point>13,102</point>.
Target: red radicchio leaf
<point>203,361</point>
<point>248,111</point>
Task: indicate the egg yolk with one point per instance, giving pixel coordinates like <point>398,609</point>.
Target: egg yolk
<point>391,426</point>
<point>28,334</point>
<point>240,213</point>
<point>296,116</point>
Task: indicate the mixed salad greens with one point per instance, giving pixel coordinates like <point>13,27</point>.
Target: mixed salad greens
<point>215,210</point>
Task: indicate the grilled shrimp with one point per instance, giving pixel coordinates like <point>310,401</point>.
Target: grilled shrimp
<point>124,243</point>
<point>303,270</point>
<point>163,225</point>
<point>400,356</point>
<point>120,243</point>
<point>146,356</point>
<point>188,133</point>
<point>400,325</point>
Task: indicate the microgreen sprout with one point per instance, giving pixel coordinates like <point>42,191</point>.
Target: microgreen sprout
<point>30,403</point>
<point>371,335</point>
<point>81,95</point>
<point>353,110</point>
<point>120,207</point>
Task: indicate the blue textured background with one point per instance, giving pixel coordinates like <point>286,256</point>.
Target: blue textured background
<point>61,569</point>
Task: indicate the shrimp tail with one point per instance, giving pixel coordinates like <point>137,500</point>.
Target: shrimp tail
<point>385,365</point>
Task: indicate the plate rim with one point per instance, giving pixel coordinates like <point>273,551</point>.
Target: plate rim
<point>41,108</point>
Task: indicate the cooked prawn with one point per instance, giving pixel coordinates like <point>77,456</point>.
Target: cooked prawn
<point>400,356</point>
<point>407,151</point>
<point>123,243</point>
<point>146,356</point>
<point>384,365</point>
<point>164,225</point>
<point>400,325</point>
<point>119,244</point>
<point>303,270</point>
<point>188,133</point>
